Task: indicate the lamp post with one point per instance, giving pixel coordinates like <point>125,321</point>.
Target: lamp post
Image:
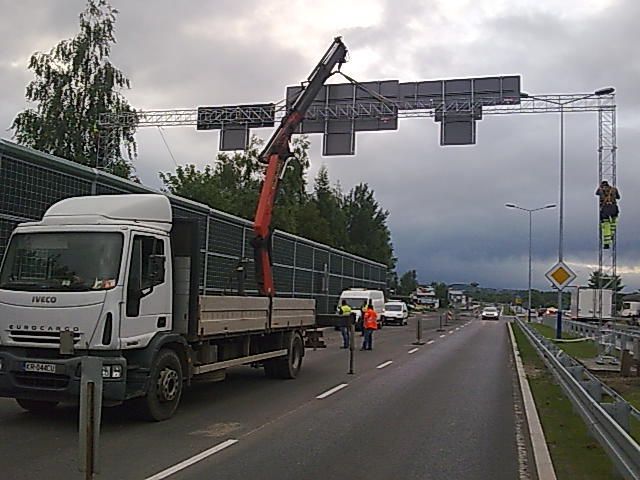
<point>597,93</point>
<point>530,212</point>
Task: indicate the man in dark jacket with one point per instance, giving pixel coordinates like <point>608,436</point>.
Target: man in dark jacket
<point>609,211</point>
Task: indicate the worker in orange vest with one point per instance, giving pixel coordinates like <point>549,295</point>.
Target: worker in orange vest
<point>369,325</point>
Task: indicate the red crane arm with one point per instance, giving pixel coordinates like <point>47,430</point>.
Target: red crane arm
<point>275,155</point>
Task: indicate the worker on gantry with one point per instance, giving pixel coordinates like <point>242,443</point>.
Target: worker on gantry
<point>609,211</point>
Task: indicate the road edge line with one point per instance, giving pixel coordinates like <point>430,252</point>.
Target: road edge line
<point>167,472</point>
<point>541,456</point>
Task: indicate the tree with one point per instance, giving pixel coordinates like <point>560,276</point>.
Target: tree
<point>596,280</point>
<point>442,292</point>
<point>408,283</point>
<point>74,83</point>
<point>331,218</point>
<point>231,184</point>
<point>368,234</point>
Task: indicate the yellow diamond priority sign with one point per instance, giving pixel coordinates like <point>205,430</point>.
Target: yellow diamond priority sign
<point>560,275</point>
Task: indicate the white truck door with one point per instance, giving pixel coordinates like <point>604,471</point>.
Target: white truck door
<point>148,292</point>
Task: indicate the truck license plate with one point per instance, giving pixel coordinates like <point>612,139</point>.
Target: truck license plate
<point>39,367</point>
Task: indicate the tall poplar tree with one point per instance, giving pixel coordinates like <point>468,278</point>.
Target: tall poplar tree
<point>74,83</point>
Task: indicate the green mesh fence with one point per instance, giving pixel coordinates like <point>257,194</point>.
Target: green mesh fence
<point>31,181</point>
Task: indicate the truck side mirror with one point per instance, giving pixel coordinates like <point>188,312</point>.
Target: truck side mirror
<point>156,269</point>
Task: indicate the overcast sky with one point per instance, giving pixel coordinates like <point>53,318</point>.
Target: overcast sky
<point>447,214</point>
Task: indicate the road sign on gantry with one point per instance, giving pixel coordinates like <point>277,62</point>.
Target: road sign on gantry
<point>560,275</point>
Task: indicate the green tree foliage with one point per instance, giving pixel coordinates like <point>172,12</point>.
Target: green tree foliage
<point>327,203</point>
<point>354,222</point>
<point>442,292</point>
<point>231,184</point>
<point>605,281</point>
<point>367,231</point>
<point>74,83</point>
<point>408,283</point>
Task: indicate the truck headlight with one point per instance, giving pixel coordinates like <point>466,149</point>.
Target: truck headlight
<point>112,371</point>
<point>116,371</point>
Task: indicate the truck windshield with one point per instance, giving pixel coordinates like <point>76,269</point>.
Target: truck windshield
<point>78,261</point>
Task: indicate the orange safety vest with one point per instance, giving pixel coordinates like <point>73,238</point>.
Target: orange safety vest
<point>371,319</point>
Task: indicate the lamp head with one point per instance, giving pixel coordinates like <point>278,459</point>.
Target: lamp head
<point>604,91</point>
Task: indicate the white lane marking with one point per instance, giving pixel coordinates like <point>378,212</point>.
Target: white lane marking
<point>413,350</point>
<point>442,336</point>
<point>457,328</point>
<point>430,342</point>
<point>190,461</point>
<point>385,364</point>
<point>450,331</point>
<point>331,391</point>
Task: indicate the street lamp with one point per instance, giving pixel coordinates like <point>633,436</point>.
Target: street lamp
<point>561,104</point>
<point>530,212</point>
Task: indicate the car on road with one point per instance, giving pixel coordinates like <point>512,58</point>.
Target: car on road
<point>395,312</point>
<point>490,313</point>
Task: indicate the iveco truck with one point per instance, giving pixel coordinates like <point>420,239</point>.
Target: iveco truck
<point>117,277</point>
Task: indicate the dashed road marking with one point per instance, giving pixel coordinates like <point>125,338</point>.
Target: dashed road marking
<point>413,350</point>
<point>442,336</point>
<point>385,364</point>
<point>457,328</point>
<point>430,342</point>
<point>331,391</point>
<point>450,331</point>
<point>190,461</point>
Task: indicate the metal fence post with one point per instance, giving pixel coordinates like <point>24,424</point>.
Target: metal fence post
<point>418,332</point>
<point>90,415</point>
<point>352,341</point>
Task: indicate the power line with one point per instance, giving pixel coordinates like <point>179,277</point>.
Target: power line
<point>167,145</point>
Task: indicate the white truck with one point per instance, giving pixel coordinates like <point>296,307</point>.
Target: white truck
<point>585,304</point>
<point>630,309</point>
<point>117,277</point>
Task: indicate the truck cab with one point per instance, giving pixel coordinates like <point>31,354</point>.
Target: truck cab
<point>116,277</point>
<point>95,269</point>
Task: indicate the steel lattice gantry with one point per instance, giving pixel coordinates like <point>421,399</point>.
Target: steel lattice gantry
<point>390,110</point>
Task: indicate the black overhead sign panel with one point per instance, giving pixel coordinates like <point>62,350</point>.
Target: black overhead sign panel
<point>341,110</point>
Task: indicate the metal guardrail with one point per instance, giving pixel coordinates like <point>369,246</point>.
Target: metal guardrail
<point>621,336</point>
<point>607,421</point>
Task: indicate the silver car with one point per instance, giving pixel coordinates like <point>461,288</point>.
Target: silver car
<point>490,313</point>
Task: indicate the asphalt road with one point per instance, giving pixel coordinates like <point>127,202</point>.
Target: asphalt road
<point>443,411</point>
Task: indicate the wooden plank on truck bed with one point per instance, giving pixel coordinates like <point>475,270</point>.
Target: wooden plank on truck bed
<point>232,314</point>
<point>293,312</point>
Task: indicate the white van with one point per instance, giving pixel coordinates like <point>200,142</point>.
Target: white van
<point>357,297</point>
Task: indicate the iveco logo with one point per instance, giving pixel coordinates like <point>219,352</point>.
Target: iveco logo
<point>39,299</point>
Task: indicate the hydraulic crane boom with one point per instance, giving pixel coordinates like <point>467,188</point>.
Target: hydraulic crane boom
<point>275,155</point>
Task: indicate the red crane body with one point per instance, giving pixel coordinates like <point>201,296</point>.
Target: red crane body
<point>275,155</point>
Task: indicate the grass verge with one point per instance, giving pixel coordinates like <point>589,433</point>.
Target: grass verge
<point>586,349</point>
<point>574,453</point>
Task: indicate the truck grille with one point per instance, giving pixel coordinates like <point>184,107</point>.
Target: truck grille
<point>49,338</point>
<point>51,381</point>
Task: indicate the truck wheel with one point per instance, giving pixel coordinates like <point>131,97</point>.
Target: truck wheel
<point>36,406</point>
<point>287,367</point>
<point>165,388</point>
